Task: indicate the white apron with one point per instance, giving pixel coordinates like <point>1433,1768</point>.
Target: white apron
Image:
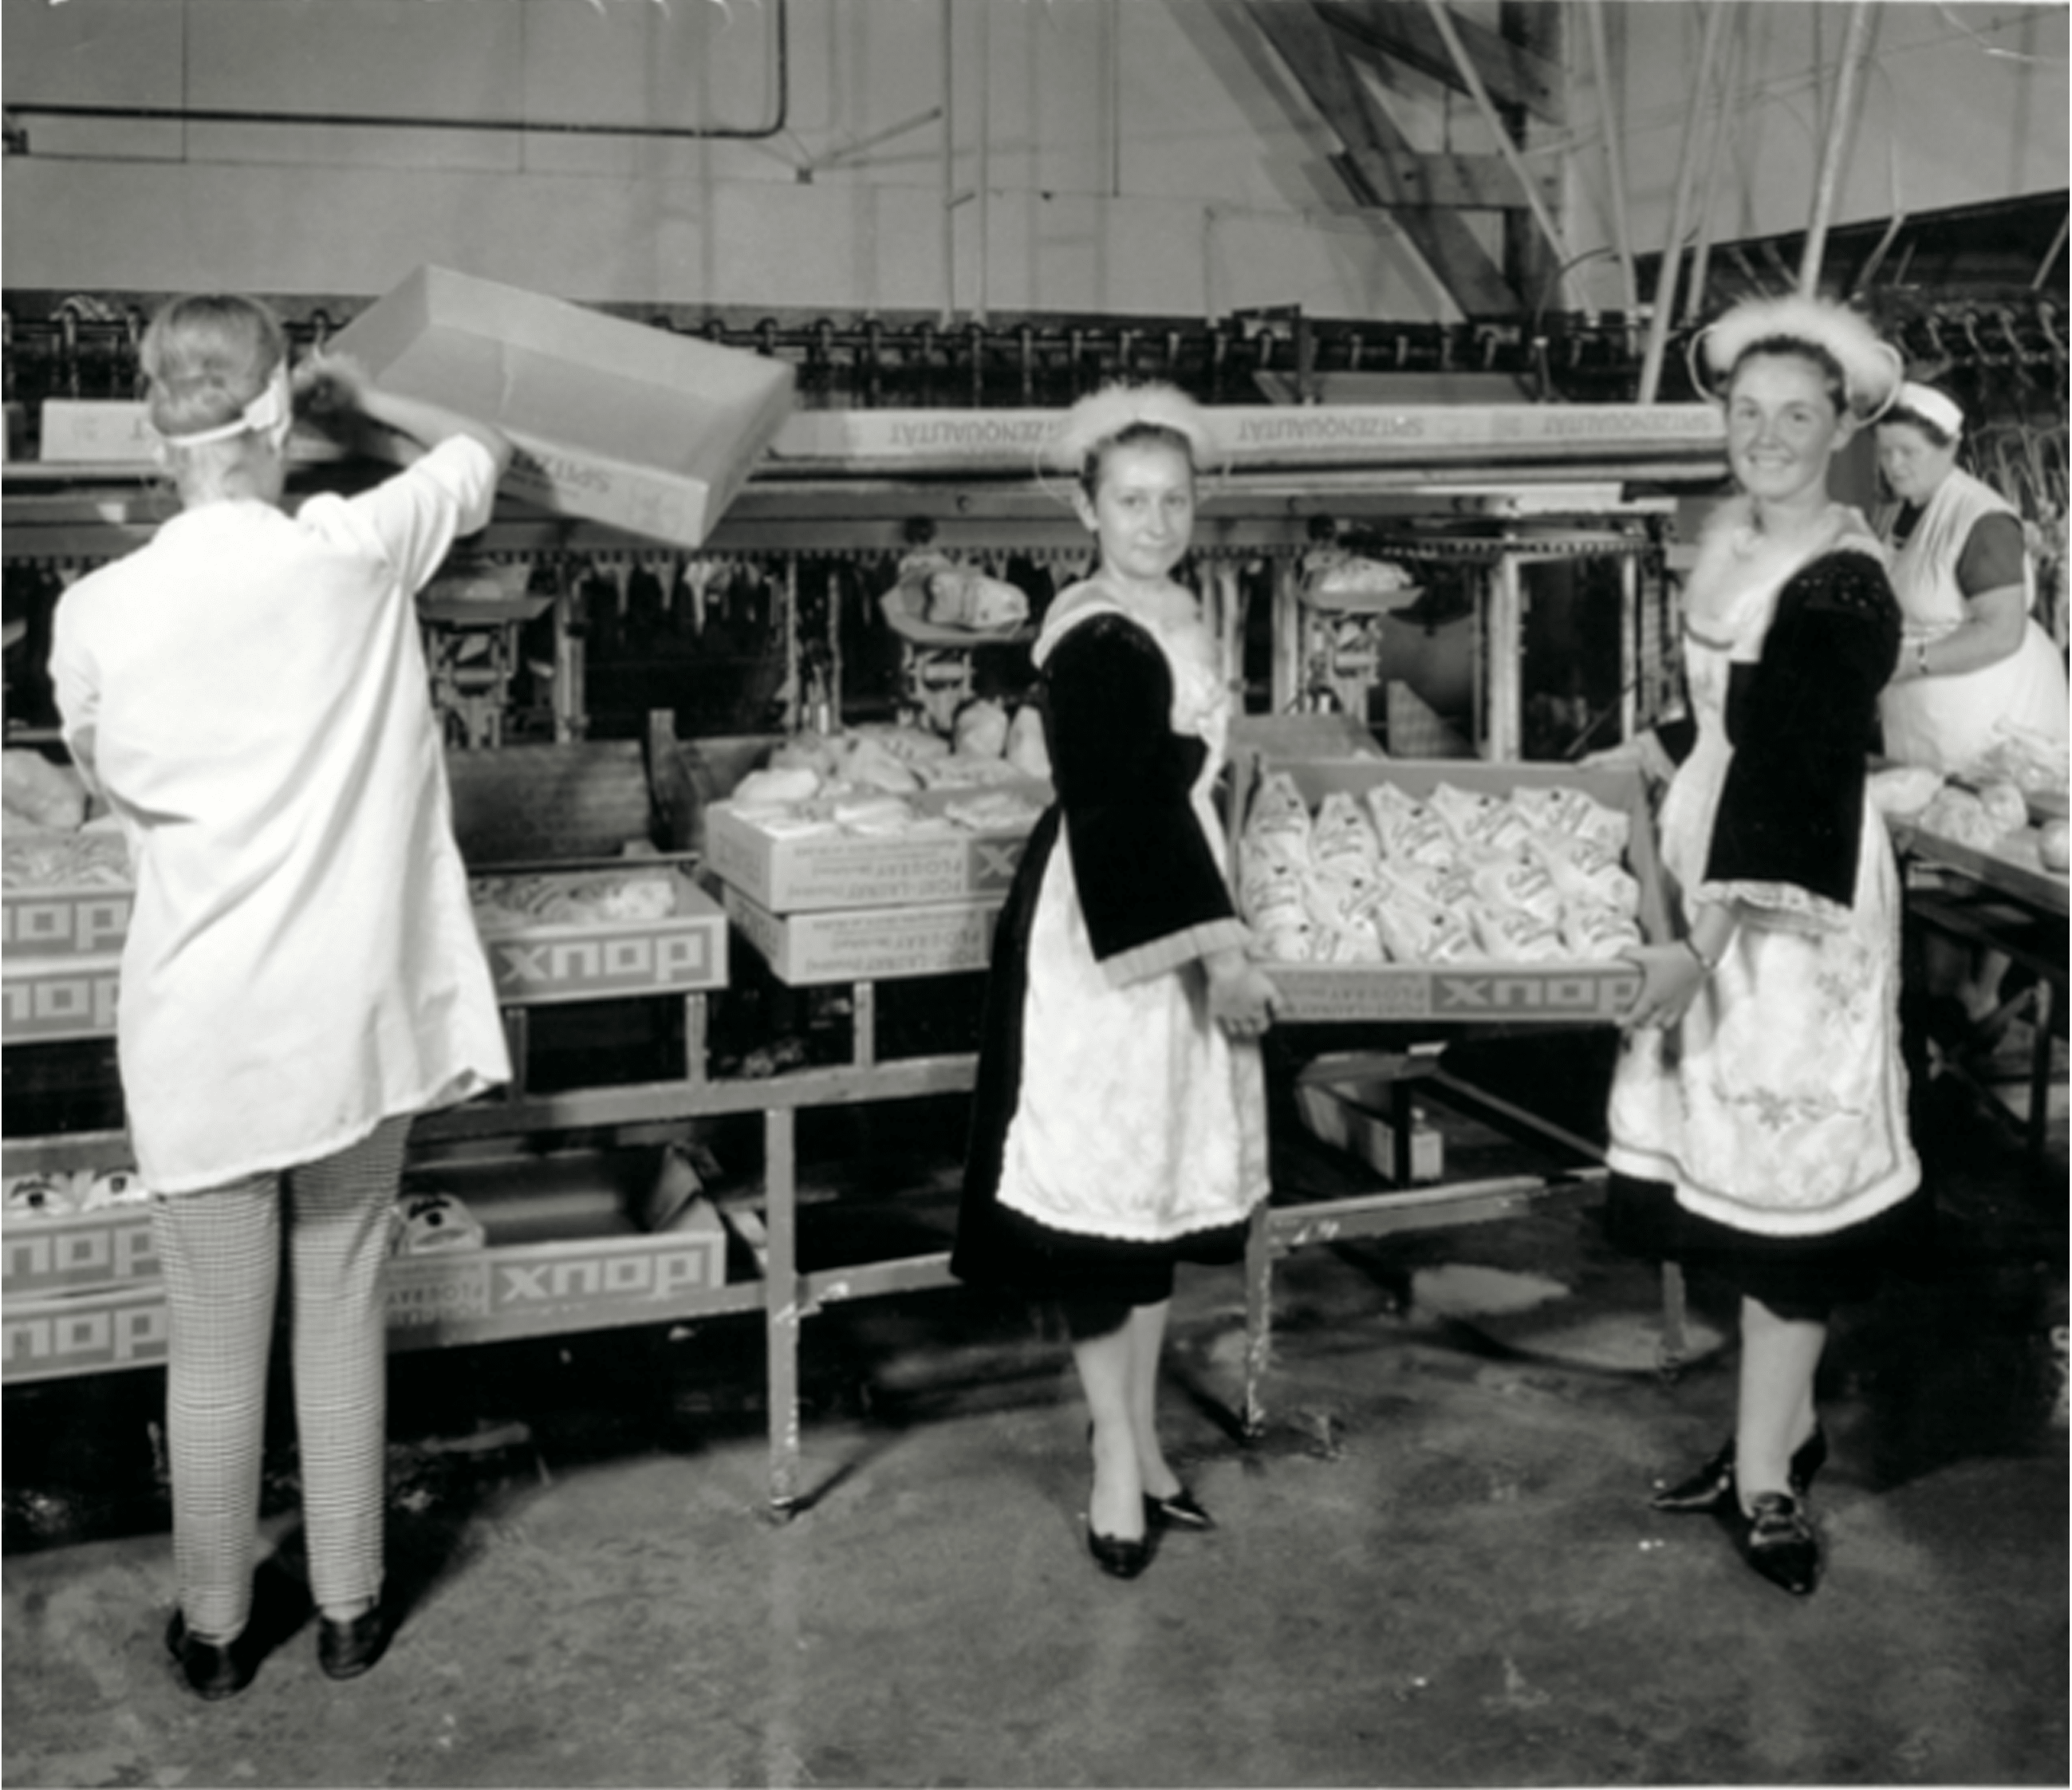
<point>1138,1119</point>
<point>1949,723</point>
<point>1778,1105</point>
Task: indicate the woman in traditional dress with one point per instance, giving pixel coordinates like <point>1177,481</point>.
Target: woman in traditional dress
<point>1119,1124</point>
<point>301,973</point>
<point>1758,1110</point>
<point>1975,662</point>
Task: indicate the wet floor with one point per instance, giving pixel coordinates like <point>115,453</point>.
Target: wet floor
<point>1435,1566</point>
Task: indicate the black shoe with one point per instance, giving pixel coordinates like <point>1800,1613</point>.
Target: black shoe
<point>1777,1539</point>
<point>346,1649</point>
<point>1118,1557</point>
<point>213,1670</point>
<point>1179,1512</point>
<point>1711,1487</point>
<point>1706,1489</point>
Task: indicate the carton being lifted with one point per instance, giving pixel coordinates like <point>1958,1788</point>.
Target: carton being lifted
<point>646,430</point>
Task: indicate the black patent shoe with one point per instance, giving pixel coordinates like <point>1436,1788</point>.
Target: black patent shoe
<point>346,1649</point>
<point>1711,1487</point>
<point>213,1669</point>
<point>1777,1539</point>
<point>1706,1489</point>
<point>1181,1511</point>
<point>1116,1557</point>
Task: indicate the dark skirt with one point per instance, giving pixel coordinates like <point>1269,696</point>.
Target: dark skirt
<point>1090,1278</point>
<point>1802,1278</point>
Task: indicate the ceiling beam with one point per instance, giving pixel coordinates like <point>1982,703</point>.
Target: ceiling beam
<point>1380,162</point>
<point>1512,71</point>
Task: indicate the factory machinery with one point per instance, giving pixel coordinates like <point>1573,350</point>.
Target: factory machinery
<point>654,1161</point>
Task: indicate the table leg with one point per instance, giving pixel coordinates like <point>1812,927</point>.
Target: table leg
<point>780,1293</point>
<point>1258,1319</point>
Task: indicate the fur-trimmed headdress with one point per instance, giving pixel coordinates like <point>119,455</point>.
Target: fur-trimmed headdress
<point>1872,369</point>
<point>1101,416</point>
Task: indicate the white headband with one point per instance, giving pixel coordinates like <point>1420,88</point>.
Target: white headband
<point>266,411</point>
<point>1932,406</point>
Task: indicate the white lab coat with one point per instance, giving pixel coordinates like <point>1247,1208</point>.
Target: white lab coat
<point>248,692</point>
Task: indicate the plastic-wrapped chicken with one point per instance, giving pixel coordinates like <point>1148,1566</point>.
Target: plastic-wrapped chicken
<point>1280,819</point>
<point>42,793</point>
<point>1415,929</point>
<point>1596,934</point>
<point>1410,831</point>
<point>1028,747</point>
<point>1463,811</point>
<point>868,764</point>
<point>1517,882</point>
<point>1587,872</point>
<point>1343,913</point>
<point>1516,936</point>
<point>962,596</point>
<point>1343,842</point>
<point>776,784</point>
<point>1558,807</point>
<point>980,729</point>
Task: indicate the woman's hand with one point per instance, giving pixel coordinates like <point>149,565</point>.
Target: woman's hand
<point>1671,976</point>
<point>1241,996</point>
<point>329,387</point>
<point>1644,753</point>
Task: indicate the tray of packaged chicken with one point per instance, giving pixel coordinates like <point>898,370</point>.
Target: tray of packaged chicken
<point>551,934</point>
<point>1454,892</point>
<point>63,894</point>
<point>877,818</point>
<point>596,932</point>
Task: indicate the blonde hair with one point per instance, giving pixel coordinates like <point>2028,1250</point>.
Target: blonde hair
<point>206,356</point>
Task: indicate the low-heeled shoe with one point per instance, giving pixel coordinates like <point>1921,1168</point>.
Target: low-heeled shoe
<point>213,1669</point>
<point>346,1649</point>
<point>1116,1556</point>
<point>1181,1511</point>
<point>1778,1540</point>
<point>1711,1487</point>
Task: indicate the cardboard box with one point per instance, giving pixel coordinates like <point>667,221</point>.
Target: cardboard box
<point>538,964</point>
<point>864,945</point>
<point>646,430</point>
<point>1470,993</point>
<point>829,870</point>
<point>64,922</point>
<point>100,1331</point>
<point>1359,1116</point>
<point>108,1246</point>
<point>50,998</point>
<point>434,1300</point>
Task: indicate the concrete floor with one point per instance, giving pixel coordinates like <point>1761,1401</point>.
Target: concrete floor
<point>1436,1567</point>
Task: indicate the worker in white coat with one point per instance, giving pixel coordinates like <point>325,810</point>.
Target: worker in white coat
<point>302,975</point>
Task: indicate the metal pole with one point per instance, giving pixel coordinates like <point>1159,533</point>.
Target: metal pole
<point>1614,152</point>
<point>1505,146</point>
<point>1835,152</point>
<point>2049,254</point>
<point>985,172</point>
<point>1721,110</point>
<point>1665,278</point>
<point>949,174</point>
